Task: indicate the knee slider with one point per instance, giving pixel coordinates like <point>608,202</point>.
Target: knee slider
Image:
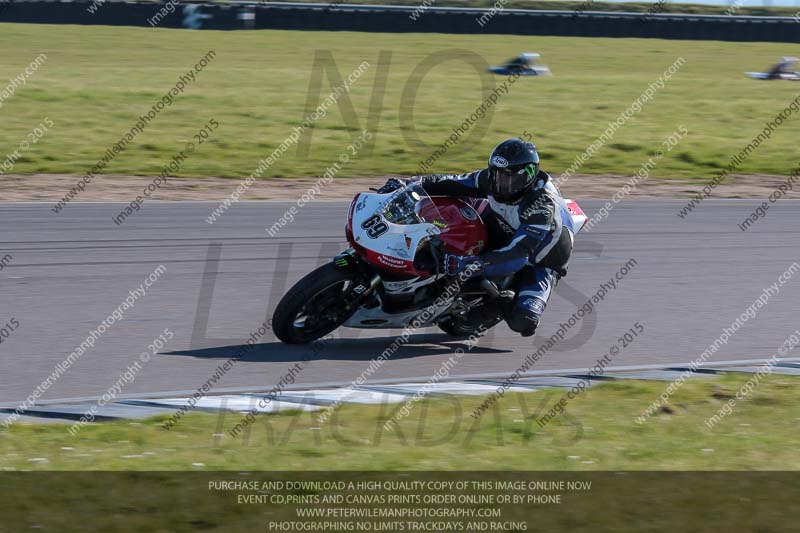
<point>525,317</point>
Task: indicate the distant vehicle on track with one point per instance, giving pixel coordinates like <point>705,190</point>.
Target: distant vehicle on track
<point>525,64</point>
<point>782,70</point>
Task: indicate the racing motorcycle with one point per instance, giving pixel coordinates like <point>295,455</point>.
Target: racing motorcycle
<point>392,274</point>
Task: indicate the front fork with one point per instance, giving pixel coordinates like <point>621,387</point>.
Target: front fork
<point>366,282</point>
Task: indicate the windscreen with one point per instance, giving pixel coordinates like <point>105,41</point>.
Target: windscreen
<point>410,205</point>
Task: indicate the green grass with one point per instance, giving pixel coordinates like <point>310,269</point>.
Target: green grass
<point>598,433</point>
<point>97,80</point>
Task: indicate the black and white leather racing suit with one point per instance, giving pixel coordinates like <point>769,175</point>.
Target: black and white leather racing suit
<point>531,238</point>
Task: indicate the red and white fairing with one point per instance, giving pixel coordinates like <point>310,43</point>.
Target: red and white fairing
<point>452,220</point>
<point>389,230</point>
<point>579,218</point>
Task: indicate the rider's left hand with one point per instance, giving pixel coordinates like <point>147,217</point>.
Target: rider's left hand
<point>469,264</point>
<point>392,184</point>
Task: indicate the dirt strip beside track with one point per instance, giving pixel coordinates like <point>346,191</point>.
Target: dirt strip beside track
<point>52,187</point>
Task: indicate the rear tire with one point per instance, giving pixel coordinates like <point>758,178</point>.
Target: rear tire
<point>314,306</point>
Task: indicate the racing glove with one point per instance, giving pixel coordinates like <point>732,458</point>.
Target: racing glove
<point>392,184</point>
<point>471,265</point>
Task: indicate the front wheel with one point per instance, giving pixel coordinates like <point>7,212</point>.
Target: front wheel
<point>317,304</point>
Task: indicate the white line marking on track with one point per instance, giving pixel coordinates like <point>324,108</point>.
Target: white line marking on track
<point>255,389</point>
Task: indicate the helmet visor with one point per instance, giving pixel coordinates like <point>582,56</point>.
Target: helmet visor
<point>508,182</point>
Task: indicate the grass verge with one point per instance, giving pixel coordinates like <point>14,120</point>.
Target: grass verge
<point>98,80</point>
<point>598,432</point>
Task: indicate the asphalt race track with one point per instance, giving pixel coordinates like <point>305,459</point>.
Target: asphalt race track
<point>69,271</point>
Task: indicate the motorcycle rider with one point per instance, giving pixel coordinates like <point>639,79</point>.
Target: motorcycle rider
<point>530,228</point>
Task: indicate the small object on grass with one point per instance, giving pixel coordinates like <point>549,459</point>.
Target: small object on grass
<point>525,64</point>
<point>721,394</point>
<point>782,70</point>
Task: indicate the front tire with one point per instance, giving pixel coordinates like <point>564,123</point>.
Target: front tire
<point>315,305</point>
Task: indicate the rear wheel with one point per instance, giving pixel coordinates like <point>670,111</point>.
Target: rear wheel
<point>317,304</point>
